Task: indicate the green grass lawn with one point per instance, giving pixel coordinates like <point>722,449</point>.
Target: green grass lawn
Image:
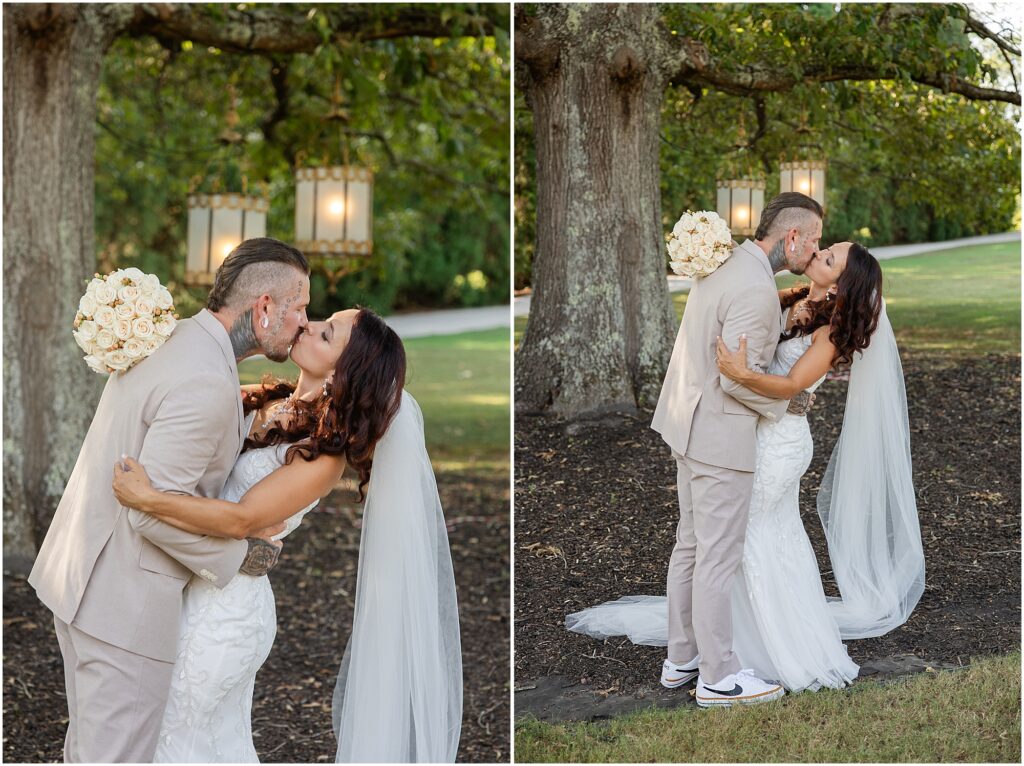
<point>462,384</point>
<point>965,300</point>
<point>968,715</point>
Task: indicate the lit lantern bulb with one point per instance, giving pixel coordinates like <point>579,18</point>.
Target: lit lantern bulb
<point>741,214</point>
<point>805,186</point>
<point>336,206</point>
<point>226,250</point>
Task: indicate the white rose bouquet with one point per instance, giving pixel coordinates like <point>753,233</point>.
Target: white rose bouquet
<point>123,318</point>
<point>699,243</point>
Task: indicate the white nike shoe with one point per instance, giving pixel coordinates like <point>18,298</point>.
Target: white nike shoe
<point>673,676</point>
<point>743,688</point>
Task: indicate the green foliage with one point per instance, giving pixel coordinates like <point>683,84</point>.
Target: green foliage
<point>907,163</point>
<point>428,116</point>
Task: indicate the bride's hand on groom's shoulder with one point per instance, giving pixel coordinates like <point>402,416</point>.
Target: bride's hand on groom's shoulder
<point>131,484</point>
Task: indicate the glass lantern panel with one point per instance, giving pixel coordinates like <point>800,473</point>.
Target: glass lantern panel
<point>818,185</point>
<point>304,210</point>
<point>227,234</point>
<point>756,207</point>
<point>198,239</point>
<point>741,209</point>
<point>255,225</point>
<point>330,210</point>
<point>359,211</point>
<point>723,206</point>
<point>785,181</point>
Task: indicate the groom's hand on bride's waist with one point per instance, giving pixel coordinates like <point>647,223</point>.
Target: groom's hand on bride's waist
<point>801,403</point>
<point>262,556</point>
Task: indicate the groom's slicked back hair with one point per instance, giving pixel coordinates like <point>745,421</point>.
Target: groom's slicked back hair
<point>786,211</point>
<point>252,269</point>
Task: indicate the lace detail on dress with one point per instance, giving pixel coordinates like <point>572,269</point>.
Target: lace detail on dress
<point>226,635</point>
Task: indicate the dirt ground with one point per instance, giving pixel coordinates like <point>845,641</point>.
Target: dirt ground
<point>315,586</point>
<point>596,511</point>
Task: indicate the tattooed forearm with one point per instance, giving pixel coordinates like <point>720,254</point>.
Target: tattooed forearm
<point>801,403</point>
<point>777,256</point>
<point>262,556</point>
<point>243,339</point>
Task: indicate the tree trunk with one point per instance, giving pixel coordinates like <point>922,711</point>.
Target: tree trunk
<point>51,63</point>
<point>601,322</point>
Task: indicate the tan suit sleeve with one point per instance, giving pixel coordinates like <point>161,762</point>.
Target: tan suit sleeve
<point>190,426</point>
<point>756,315</point>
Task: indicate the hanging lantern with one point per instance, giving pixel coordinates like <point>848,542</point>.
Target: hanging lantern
<point>334,217</point>
<point>740,202</point>
<point>217,224</point>
<point>804,176</point>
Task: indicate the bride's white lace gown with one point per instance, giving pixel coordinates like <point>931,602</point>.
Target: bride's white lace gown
<point>782,625</point>
<point>225,636</point>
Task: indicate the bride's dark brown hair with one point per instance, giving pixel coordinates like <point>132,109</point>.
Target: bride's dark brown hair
<point>359,405</point>
<point>852,314</point>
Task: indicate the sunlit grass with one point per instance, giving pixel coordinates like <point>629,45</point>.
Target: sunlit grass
<point>462,384</point>
<point>970,715</point>
<point>965,300</point>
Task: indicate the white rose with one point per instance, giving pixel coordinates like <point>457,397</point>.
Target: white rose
<point>679,228</point>
<point>687,220</point>
<point>704,252</point>
<point>150,282</point>
<point>88,329</point>
<point>105,339</point>
<point>96,364</point>
<point>87,305</point>
<point>129,293</point>
<point>163,299</point>
<point>83,343</point>
<point>143,327</point>
<point>674,248</point>
<point>700,226</point>
<point>685,240</point>
<point>134,274</point>
<point>166,325</point>
<point>152,344</point>
<point>104,294</point>
<point>94,283</point>
<point>123,329</point>
<point>105,317</point>
<point>124,311</point>
<point>118,360</point>
<point>145,306</point>
<point>134,348</point>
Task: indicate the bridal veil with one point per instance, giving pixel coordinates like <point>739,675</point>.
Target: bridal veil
<point>398,698</point>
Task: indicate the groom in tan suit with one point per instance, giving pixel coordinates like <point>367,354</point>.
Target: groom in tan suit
<point>709,422</point>
<point>112,576</point>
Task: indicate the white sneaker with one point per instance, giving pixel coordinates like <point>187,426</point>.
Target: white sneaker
<point>673,676</point>
<point>743,688</point>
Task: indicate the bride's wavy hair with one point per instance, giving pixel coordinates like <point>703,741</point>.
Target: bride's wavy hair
<point>353,414</point>
<point>852,314</point>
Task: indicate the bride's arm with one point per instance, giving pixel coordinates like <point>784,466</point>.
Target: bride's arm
<point>278,496</point>
<point>815,362</point>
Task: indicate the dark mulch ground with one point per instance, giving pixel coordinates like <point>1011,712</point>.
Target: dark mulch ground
<point>315,586</point>
<point>596,511</point>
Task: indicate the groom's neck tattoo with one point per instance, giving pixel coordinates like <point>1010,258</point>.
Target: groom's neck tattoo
<point>243,339</point>
<point>777,256</point>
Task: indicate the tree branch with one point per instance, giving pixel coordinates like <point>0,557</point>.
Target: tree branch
<point>277,30</point>
<point>981,30</point>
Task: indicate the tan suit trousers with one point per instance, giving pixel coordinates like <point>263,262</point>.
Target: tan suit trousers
<point>714,504</point>
<point>116,699</point>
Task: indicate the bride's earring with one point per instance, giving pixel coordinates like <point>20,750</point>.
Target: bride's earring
<point>326,383</point>
<point>264,323</point>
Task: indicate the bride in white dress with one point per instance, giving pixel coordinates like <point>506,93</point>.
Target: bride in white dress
<point>784,627</point>
<point>398,697</point>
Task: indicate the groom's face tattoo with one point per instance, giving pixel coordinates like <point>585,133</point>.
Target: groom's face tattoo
<point>287,321</point>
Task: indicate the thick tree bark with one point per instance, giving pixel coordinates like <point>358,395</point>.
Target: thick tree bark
<point>601,323</point>
<point>52,58</point>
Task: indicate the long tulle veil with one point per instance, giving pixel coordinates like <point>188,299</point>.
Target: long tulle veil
<point>398,698</point>
<point>866,505</point>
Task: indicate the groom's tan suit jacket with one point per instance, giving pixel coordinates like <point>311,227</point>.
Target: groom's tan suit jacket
<point>702,414</point>
<point>118,574</point>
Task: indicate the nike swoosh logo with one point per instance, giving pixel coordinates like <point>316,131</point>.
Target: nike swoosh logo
<point>735,691</point>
